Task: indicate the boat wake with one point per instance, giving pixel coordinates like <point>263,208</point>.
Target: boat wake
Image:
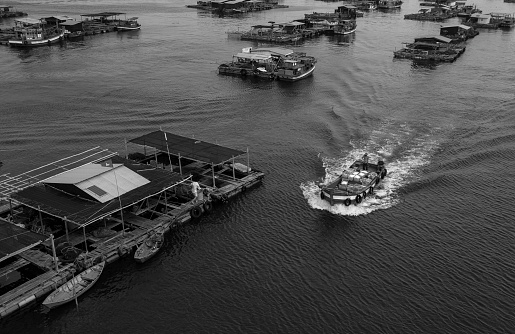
<point>405,151</point>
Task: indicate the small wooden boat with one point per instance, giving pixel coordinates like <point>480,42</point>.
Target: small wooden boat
<point>74,287</point>
<point>150,246</point>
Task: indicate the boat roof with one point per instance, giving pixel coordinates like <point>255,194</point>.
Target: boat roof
<point>188,147</point>
<point>438,38</point>
<point>253,56</point>
<point>462,26</point>
<point>16,239</point>
<point>274,51</point>
<point>59,17</point>
<point>102,14</point>
<point>348,7</point>
<point>70,23</point>
<point>51,199</point>
<point>28,20</point>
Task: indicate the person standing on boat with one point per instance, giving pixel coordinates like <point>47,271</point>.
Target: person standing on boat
<point>195,187</point>
<point>365,161</point>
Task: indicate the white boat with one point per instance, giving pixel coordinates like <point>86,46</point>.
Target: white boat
<point>30,32</point>
<point>129,24</point>
<point>74,287</point>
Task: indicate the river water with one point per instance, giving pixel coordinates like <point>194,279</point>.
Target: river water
<point>434,254</point>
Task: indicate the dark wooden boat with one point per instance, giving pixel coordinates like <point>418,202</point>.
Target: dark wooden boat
<point>74,287</point>
<point>354,184</point>
<point>150,246</point>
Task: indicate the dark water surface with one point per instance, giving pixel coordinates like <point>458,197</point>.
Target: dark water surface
<point>433,255</point>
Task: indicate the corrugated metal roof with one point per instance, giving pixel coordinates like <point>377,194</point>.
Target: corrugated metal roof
<point>113,181</point>
<point>253,56</point>
<point>83,212</point>
<point>28,20</point>
<point>187,147</point>
<point>14,239</point>
<point>274,50</point>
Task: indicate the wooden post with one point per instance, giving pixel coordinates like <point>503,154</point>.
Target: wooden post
<point>66,229</point>
<point>233,171</point>
<point>85,243</point>
<point>180,166</point>
<point>126,151</point>
<point>155,156</point>
<point>41,220</point>
<point>213,170</point>
<point>248,160</point>
<point>331,192</point>
<point>11,208</point>
<point>166,202</point>
<point>53,252</point>
<point>168,151</point>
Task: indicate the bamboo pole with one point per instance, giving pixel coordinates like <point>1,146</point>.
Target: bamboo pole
<point>248,160</point>
<point>233,170</point>
<point>166,204</point>
<point>180,166</point>
<point>213,171</point>
<point>66,229</point>
<point>41,220</point>
<point>53,252</point>
<point>168,150</point>
<point>85,243</point>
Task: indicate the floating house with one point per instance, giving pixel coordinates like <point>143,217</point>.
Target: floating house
<point>478,20</point>
<point>96,205</point>
<point>9,11</point>
<point>433,48</point>
<point>458,32</point>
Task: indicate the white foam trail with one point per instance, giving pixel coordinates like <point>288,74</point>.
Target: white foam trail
<point>413,153</point>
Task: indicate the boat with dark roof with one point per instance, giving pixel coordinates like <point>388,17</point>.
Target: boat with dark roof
<point>354,184</point>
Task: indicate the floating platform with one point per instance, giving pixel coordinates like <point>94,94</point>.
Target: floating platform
<point>98,206</point>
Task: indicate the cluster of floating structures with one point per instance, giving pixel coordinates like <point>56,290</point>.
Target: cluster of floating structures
<point>224,7</point>
<point>340,22</point>
<point>62,222</point>
<point>30,32</point>
<point>10,11</point>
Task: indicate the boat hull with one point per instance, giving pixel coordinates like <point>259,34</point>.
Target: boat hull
<point>285,77</point>
<point>335,194</point>
<point>37,42</point>
<point>149,247</point>
<point>75,287</point>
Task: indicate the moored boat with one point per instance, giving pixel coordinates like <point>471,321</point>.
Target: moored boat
<point>247,63</point>
<point>129,24</point>
<point>74,287</point>
<point>150,246</point>
<point>30,32</point>
<point>354,184</point>
<point>290,65</point>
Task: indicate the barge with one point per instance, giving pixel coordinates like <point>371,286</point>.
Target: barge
<point>97,205</point>
<point>355,184</point>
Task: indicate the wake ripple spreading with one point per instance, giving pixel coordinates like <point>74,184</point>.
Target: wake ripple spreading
<point>405,150</point>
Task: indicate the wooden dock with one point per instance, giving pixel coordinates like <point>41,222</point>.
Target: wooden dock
<point>122,232</point>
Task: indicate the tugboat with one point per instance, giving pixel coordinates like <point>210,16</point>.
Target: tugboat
<point>354,184</point>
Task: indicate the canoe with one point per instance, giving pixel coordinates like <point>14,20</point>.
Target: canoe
<point>74,287</point>
<point>150,246</point>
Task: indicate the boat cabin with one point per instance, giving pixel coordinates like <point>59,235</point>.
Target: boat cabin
<point>480,18</point>
<point>57,20</point>
<point>432,42</point>
<point>346,11</point>
<point>457,31</point>
<point>291,28</point>
<point>28,28</point>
